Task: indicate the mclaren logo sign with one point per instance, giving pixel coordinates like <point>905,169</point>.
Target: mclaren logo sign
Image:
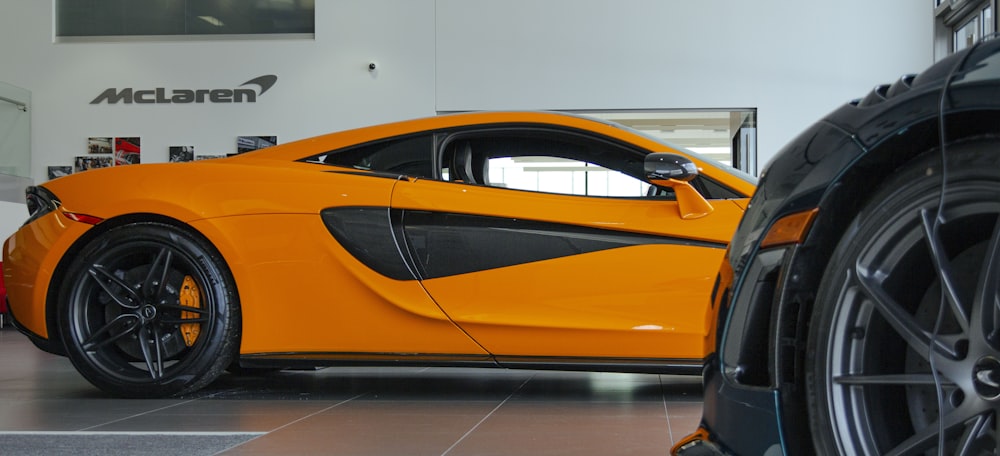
<point>160,95</point>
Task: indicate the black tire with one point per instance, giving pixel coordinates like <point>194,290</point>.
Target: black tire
<point>149,310</point>
<point>880,308</point>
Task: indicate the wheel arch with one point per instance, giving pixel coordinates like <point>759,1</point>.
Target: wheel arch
<point>844,199</point>
<point>59,273</point>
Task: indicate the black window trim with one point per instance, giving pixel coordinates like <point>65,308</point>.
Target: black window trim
<point>442,137</point>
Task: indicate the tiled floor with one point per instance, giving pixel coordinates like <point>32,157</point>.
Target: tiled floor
<point>46,408</point>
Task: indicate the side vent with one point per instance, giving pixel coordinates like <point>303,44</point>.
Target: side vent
<point>366,232</point>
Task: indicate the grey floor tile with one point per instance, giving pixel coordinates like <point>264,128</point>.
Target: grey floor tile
<point>89,444</point>
<point>376,428</point>
<point>46,407</point>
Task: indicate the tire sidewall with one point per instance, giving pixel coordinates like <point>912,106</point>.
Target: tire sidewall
<point>218,341</point>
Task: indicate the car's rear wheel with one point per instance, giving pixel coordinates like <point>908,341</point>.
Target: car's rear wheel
<point>904,345</point>
<point>149,310</point>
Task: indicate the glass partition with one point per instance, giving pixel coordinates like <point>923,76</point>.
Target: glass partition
<point>727,135</point>
<point>15,142</point>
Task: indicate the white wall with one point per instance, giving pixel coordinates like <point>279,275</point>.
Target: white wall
<point>793,61</point>
<point>12,215</point>
<point>323,84</point>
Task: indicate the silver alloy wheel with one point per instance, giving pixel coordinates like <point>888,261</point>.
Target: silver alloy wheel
<point>905,344</point>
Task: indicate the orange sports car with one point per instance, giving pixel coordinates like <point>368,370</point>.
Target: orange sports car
<point>519,239</point>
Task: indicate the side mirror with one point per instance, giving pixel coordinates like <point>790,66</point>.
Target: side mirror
<point>660,166</point>
<point>676,171</point>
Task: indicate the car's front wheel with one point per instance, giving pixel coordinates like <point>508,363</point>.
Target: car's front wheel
<point>904,345</point>
<point>149,310</point>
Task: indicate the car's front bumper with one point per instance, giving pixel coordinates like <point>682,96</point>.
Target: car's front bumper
<point>50,345</point>
<point>30,259</point>
<point>734,417</point>
<point>698,443</point>
<point>743,409</point>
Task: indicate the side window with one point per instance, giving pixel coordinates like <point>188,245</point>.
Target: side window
<point>563,175</point>
<point>546,161</point>
<point>711,189</point>
<point>409,155</point>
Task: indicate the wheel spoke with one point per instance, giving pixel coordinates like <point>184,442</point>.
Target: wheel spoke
<point>927,438</point>
<point>900,320</point>
<point>203,316</point>
<point>944,270</point>
<point>160,349</point>
<point>116,288</point>
<point>988,295</point>
<point>92,342</point>
<point>150,345</point>
<point>888,379</point>
<point>156,279</point>
<point>981,426</point>
<point>180,321</point>
<point>197,310</point>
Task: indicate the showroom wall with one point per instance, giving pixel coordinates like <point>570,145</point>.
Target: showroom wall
<point>793,61</point>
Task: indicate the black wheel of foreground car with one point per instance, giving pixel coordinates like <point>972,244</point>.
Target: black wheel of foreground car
<point>149,310</point>
<point>904,349</point>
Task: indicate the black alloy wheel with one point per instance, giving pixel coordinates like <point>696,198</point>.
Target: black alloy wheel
<point>904,349</point>
<point>149,310</point>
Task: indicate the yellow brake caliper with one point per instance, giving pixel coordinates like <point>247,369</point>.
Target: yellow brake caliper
<point>190,297</point>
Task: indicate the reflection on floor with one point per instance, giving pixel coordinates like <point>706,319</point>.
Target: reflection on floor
<point>46,408</point>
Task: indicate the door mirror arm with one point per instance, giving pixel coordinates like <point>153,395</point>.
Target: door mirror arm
<point>677,171</point>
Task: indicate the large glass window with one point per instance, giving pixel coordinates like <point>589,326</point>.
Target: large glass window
<point>959,25</point>
<point>987,20</point>
<point>15,144</point>
<point>979,25</point>
<point>727,136</point>
<point>15,132</point>
<point>129,18</point>
<point>967,34</point>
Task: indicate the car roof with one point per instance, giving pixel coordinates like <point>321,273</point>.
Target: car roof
<point>297,149</point>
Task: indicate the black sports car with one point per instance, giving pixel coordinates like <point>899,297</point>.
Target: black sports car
<point>859,304</point>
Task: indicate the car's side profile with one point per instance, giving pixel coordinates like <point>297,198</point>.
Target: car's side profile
<point>859,303</point>
<point>430,241</point>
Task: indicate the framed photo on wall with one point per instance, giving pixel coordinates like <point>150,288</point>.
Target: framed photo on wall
<point>127,151</point>
<point>59,171</point>
<point>99,145</point>
<point>249,143</point>
<point>181,154</point>
<point>86,162</point>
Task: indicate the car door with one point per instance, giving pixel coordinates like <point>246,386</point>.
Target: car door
<point>369,300</point>
<point>587,263</point>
